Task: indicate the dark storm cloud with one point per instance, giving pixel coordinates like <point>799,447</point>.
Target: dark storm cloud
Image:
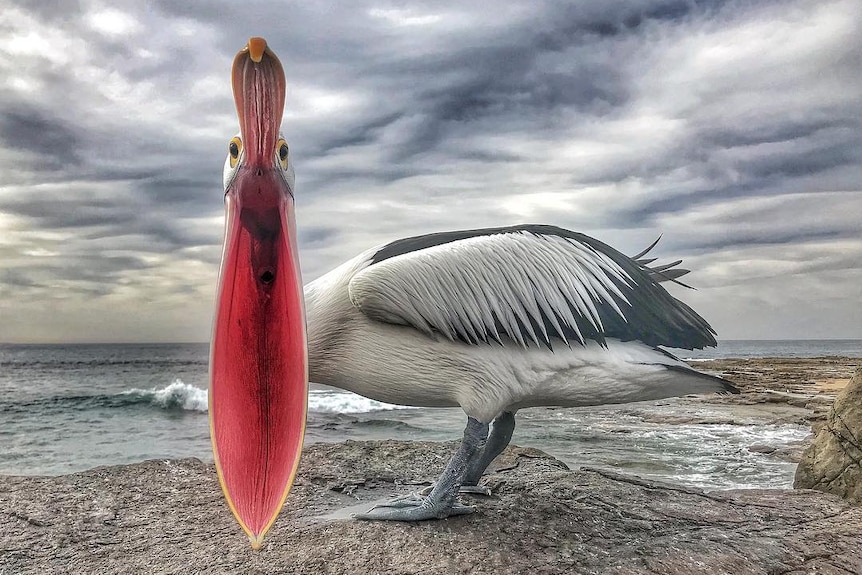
<point>50,10</point>
<point>509,78</point>
<point>754,237</point>
<point>760,174</point>
<point>55,212</point>
<point>801,162</point>
<point>169,234</point>
<point>791,129</point>
<point>367,133</point>
<point>94,274</point>
<point>26,128</point>
<point>101,268</point>
<point>312,236</point>
<point>16,279</point>
<point>184,195</point>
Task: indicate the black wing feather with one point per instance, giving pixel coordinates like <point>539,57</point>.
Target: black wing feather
<point>652,315</point>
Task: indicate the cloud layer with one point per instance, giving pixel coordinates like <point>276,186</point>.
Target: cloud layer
<point>733,128</point>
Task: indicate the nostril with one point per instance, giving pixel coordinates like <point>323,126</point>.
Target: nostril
<point>267,277</point>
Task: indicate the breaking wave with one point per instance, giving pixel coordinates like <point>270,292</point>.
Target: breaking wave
<point>177,395</point>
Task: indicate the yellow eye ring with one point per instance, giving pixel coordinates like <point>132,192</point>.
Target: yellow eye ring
<point>234,149</point>
<point>282,152</point>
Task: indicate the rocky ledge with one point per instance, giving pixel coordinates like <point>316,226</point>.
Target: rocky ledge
<point>833,461</point>
<point>168,516</point>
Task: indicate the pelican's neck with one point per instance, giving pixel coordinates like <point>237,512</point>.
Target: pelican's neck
<point>331,320</point>
<point>322,328</point>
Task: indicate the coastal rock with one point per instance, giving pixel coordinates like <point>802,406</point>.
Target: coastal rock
<point>789,376</point>
<point>833,461</point>
<point>168,516</point>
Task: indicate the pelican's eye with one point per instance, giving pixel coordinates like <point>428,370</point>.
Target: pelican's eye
<point>234,148</point>
<point>283,151</point>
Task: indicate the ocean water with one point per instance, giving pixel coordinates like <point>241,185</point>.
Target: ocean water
<point>66,408</point>
<point>748,348</point>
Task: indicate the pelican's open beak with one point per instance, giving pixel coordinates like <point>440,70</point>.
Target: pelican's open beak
<point>258,358</point>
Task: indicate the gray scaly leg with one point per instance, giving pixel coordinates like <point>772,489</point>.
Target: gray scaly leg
<point>501,435</point>
<point>442,501</point>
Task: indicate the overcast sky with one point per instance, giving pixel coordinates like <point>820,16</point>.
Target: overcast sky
<point>732,128</point>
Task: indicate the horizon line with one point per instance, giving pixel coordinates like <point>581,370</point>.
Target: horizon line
<point>189,342</point>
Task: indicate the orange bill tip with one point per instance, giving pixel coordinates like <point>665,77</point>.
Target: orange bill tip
<point>256,48</point>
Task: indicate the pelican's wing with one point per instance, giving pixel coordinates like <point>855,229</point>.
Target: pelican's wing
<point>665,272</point>
<point>526,283</point>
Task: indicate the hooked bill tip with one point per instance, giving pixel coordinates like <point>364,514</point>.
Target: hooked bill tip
<point>258,83</point>
<point>256,541</point>
<point>256,48</point>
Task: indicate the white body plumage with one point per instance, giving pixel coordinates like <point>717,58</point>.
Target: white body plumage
<point>416,325</point>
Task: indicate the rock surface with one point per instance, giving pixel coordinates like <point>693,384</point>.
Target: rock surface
<point>168,516</point>
<point>788,375</point>
<point>791,389</point>
<point>833,461</point>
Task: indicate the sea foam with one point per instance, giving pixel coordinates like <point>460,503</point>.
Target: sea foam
<point>177,395</point>
<point>321,401</point>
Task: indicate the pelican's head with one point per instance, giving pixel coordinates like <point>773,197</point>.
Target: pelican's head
<point>258,358</point>
<point>259,149</point>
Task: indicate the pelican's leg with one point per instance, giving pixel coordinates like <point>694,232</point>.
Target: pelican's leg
<point>442,501</point>
<point>501,435</point>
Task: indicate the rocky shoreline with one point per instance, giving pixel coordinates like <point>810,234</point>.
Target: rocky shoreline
<point>806,386</point>
<point>168,516</point>
<point>802,375</point>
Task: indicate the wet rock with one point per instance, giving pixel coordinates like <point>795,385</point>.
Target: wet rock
<point>168,516</point>
<point>679,419</point>
<point>833,461</point>
<point>762,448</point>
<point>791,452</point>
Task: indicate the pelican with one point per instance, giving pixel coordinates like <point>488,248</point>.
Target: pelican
<point>258,389</point>
<point>495,320</point>
<point>490,320</point>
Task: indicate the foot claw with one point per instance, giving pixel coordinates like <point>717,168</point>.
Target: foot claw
<point>412,507</point>
<point>476,489</point>
<point>471,489</point>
